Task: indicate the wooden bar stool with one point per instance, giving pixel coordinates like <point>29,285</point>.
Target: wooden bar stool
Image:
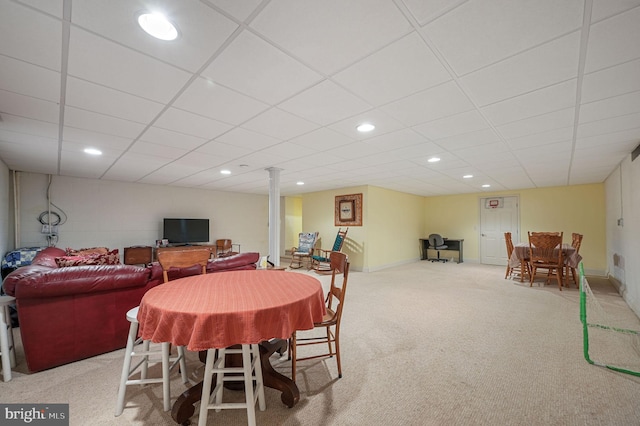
<point>250,371</point>
<point>145,352</point>
<point>7,348</point>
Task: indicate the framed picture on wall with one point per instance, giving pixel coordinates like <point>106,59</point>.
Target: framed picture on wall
<point>348,210</point>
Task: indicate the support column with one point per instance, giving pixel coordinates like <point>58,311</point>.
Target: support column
<point>274,215</point>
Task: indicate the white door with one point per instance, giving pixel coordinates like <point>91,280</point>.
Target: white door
<point>497,216</point>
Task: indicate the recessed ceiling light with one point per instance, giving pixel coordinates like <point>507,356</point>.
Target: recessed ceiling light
<point>225,172</point>
<point>433,160</point>
<point>467,176</point>
<point>158,26</point>
<point>365,127</point>
<point>486,185</point>
<point>300,183</point>
<point>92,151</point>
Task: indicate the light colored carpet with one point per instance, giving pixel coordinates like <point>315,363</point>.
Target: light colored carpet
<point>422,344</point>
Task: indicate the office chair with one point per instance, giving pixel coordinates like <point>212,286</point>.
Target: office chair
<point>436,242</point>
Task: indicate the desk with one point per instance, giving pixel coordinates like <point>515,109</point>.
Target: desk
<point>452,245</point>
<point>227,308</point>
<point>520,256</point>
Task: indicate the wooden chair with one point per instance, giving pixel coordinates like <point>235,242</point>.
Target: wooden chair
<point>545,252</point>
<point>224,248</point>
<point>182,259</point>
<point>515,270</point>
<point>331,320</point>
<point>320,260</point>
<point>576,242</point>
<point>302,253</point>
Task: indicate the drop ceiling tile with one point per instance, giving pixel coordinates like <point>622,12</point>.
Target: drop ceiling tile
<point>468,140</point>
<point>602,9</point>
<point>238,9</point>
<point>325,103</point>
<point>142,76</point>
<point>171,138</point>
<point>73,163</point>
<point>396,71</point>
<point>428,105</point>
<point>424,11</point>
<point>542,66</point>
<point>496,151</point>
<point>618,30</point>
<point>243,138</point>
<point>91,139</point>
<point>542,101</point>
<point>256,68</point>
<point>300,27</point>
<point>26,143</point>
<point>30,33</point>
<point>453,125</point>
<point>544,122</point>
<point>505,29</point>
<point>88,120</point>
<point>202,30</point>
<point>280,124</point>
<point>224,151</point>
<point>614,81</point>
<point>542,138</point>
<point>103,100</point>
<point>606,140</point>
<point>218,102</point>
<point>189,123</point>
<point>322,139</point>
<point>610,107</point>
<point>158,150</point>
<point>609,125</point>
<point>30,80</point>
<point>27,107</point>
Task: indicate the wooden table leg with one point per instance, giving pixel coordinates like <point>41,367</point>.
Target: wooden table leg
<point>184,407</point>
<point>523,267</point>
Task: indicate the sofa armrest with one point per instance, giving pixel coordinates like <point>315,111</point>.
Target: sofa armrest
<point>40,282</point>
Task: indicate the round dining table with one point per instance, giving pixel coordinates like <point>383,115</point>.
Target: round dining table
<point>223,309</point>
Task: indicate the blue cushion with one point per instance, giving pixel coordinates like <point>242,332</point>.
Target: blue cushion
<point>338,243</point>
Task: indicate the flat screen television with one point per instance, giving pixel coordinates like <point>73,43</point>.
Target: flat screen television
<point>186,231</point>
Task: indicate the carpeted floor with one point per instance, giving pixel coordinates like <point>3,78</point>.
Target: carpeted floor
<point>423,344</point>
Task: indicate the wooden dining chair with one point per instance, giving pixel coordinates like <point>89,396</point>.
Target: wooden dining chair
<point>576,242</point>
<point>183,259</point>
<point>513,271</point>
<point>545,252</point>
<point>331,320</point>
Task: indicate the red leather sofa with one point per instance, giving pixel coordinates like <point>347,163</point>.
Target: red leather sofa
<point>71,313</point>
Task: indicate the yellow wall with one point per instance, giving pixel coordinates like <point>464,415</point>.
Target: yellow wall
<point>393,222</point>
<point>292,222</point>
<point>576,208</point>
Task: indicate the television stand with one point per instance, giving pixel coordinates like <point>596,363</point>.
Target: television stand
<point>210,247</point>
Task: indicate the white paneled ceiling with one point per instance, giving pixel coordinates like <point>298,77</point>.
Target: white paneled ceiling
<point>520,94</point>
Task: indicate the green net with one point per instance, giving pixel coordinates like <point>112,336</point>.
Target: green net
<point>611,333</point>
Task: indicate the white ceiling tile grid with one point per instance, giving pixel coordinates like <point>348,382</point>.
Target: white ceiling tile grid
<point>482,84</point>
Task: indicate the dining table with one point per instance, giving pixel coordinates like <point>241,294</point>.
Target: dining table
<point>520,256</point>
<point>224,309</point>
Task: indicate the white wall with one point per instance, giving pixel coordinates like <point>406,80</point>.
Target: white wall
<point>118,215</point>
<point>6,218</point>
<point>622,190</point>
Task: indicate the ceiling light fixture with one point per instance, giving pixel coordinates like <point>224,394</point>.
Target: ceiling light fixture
<point>365,127</point>
<point>467,176</point>
<point>433,160</point>
<point>300,183</point>
<point>486,185</point>
<point>158,26</point>
<point>92,151</point>
<point>225,172</point>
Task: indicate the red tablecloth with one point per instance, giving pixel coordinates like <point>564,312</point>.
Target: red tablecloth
<point>227,308</point>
